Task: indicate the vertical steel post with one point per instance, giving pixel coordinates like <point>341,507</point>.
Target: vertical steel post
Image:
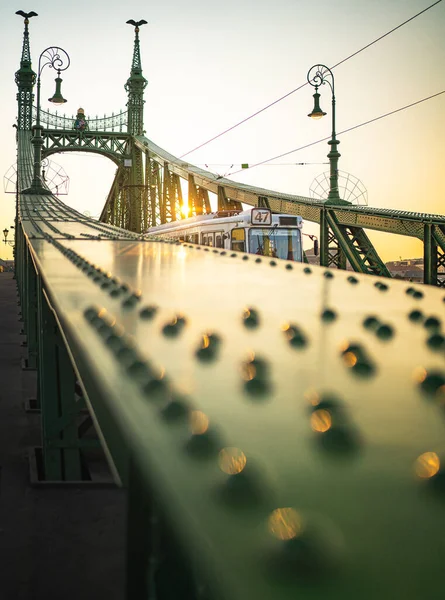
<point>61,452</point>
<point>47,384</point>
<point>324,238</point>
<point>429,255</point>
<point>67,429</point>
<point>31,313</point>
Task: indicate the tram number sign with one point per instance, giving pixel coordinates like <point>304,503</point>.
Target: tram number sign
<point>261,216</point>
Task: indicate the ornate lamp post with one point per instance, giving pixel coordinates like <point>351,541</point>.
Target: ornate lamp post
<point>319,75</point>
<point>55,58</point>
<point>5,235</point>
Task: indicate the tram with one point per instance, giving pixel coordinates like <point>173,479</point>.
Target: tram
<point>256,231</point>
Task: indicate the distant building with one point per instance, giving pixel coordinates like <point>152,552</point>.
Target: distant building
<point>6,265</point>
<point>409,269</point>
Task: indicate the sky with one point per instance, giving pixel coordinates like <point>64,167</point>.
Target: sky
<point>210,65</point>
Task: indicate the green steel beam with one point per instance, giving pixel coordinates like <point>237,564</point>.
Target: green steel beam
<point>113,145</point>
<point>429,255</point>
<point>357,247</point>
<point>438,240</point>
<point>31,313</point>
<point>186,427</point>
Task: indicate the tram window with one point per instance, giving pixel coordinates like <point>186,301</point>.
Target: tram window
<point>207,239</point>
<point>219,243</point>
<point>239,240</point>
<point>194,238</point>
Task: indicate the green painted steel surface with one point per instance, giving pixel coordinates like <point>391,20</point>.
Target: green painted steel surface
<point>330,388</point>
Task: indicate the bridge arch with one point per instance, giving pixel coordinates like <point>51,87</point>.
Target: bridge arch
<point>113,145</point>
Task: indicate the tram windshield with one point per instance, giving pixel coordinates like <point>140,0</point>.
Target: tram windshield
<point>275,242</point>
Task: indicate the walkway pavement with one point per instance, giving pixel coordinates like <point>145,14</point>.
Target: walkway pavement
<point>55,543</point>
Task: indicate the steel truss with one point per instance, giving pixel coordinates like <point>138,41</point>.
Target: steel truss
<point>434,254</point>
<point>350,243</point>
<point>110,144</point>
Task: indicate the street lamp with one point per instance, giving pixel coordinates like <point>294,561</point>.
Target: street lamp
<point>56,58</point>
<point>319,75</point>
<point>5,235</point>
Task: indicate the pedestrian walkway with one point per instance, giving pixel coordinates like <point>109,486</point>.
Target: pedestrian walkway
<point>55,543</point>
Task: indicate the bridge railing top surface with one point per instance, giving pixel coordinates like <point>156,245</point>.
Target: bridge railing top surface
<point>114,122</point>
<point>240,452</point>
<point>249,194</point>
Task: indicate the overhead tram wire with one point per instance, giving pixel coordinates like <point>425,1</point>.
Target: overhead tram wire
<point>306,83</point>
<point>339,133</point>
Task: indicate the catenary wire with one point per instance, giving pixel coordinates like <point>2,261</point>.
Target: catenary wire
<point>306,83</point>
<point>339,133</point>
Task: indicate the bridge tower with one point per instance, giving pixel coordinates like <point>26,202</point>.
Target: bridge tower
<point>135,190</point>
<point>25,79</point>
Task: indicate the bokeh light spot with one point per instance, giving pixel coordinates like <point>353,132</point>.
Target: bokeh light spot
<point>232,460</point>
<point>199,422</point>
<point>321,421</point>
<point>285,523</point>
<point>427,465</point>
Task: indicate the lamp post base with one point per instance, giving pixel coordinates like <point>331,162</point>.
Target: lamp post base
<point>40,191</point>
<point>337,202</point>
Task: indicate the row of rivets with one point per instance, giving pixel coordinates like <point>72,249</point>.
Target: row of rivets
<point>436,340</point>
<point>383,331</point>
<point>103,279</point>
<point>204,441</point>
<point>294,335</point>
<point>383,287</point>
<point>152,381</point>
<point>255,372</point>
<point>414,293</point>
<point>272,263</point>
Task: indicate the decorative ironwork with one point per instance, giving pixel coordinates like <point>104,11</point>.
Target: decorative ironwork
<point>25,78</point>
<point>53,175</point>
<point>56,58</point>
<point>135,86</point>
<point>115,122</point>
<point>351,188</point>
<point>113,145</point>
<point>319,75</point>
